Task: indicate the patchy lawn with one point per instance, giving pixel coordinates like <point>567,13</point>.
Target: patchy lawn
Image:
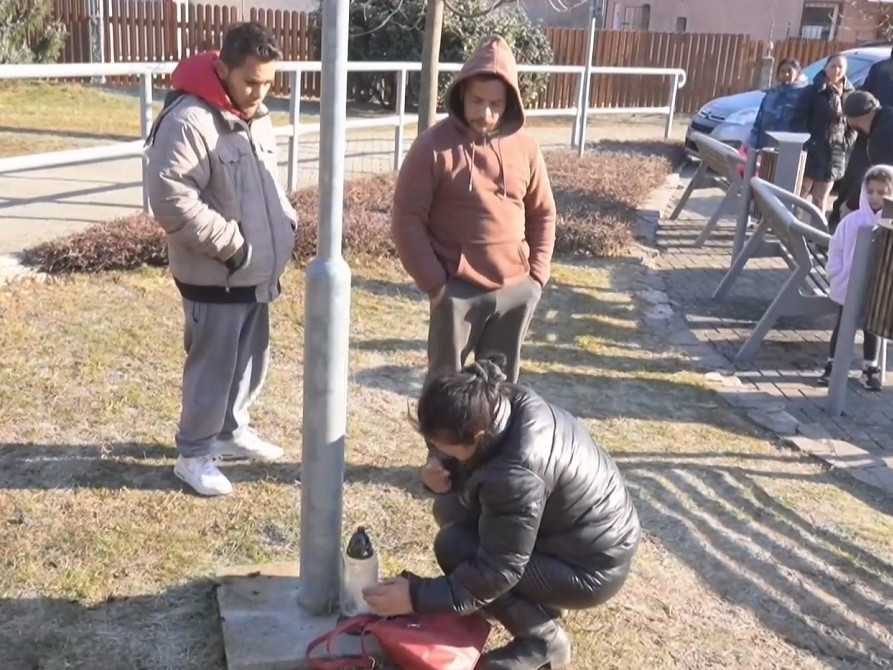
<point>753,557</point>
<point>68,115</point>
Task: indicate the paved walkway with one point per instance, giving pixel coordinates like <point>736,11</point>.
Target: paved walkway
<point>778,390</point>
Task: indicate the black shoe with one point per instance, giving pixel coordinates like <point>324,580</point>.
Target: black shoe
<point>825,379</point>
<point>546,646</point>
<point>871,378</point>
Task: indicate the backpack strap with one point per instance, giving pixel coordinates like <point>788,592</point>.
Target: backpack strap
<point>171,100</point>
<point>352,626</point>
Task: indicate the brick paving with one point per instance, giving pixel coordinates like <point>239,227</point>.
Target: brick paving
<point>778,388</point>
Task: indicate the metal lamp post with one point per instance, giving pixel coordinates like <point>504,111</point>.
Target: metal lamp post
<point>326,329</point>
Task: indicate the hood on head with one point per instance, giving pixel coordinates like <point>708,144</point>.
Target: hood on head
<point>197,75</point>
<point>863,197</point>
<point>493,57</point>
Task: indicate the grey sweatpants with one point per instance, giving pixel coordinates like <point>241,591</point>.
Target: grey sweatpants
<point>227,355</point>
<point>469,319</point>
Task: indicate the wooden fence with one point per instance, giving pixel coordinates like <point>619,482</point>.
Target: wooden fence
<point>160,30</point>
<point>716,64</point>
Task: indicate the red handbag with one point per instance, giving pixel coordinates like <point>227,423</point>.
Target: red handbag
<point>416,642</point>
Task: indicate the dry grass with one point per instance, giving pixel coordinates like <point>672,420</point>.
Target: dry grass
<point>752,558</point>
<point>75,110</point>
<point>17,144</point>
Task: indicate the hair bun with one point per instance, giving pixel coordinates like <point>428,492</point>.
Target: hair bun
<point>489,369</point>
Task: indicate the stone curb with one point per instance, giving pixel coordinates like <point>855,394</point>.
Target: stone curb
<point>12,270</point>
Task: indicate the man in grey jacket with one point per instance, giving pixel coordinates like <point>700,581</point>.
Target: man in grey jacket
<point>213,186</point>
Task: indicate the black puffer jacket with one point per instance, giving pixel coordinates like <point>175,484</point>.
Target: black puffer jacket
<point>545,486</point>
<point>876,149</point>
<point>879,82</point>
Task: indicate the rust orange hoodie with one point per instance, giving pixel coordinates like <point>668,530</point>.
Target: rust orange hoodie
<point>473,207</point>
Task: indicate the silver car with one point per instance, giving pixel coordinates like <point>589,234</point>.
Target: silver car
<point>730,119</point>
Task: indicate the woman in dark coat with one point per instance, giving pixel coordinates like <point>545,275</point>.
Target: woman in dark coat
<point>830,137</point>
<point>541,522</point>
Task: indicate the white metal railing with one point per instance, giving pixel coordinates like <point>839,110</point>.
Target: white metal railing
<point>294,128</point>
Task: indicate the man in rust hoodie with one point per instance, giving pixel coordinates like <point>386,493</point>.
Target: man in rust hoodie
<point>474,224</point>
<point>474,217</point>
<point>213,185</point>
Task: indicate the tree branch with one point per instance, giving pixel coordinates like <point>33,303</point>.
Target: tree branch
<point>494,4</point>
<point>384,22</point>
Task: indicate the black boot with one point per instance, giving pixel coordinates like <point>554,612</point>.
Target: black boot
<point>539,641</point>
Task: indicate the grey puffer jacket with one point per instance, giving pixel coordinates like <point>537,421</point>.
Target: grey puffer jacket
<point>212,184</point>
<point>546,487</point>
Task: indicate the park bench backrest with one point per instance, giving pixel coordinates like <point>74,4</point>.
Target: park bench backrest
<point>803,243</point>
<point>720,158</point>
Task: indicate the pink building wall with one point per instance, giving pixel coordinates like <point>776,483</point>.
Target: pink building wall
<point>760,19</point>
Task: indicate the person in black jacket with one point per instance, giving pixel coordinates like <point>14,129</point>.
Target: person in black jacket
<point>543,520</point>
<point>830,137</point>
<point>875,123</point>
<point>879,83</point>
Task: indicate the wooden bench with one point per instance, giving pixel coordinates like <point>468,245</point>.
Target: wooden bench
<point>804,248</point>
<point>721,166</point>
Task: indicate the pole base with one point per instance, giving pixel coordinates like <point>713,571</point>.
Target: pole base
<point>264,625</point>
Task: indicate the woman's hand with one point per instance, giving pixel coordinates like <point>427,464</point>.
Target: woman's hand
<point>390,597</point>
<point>435,476</point>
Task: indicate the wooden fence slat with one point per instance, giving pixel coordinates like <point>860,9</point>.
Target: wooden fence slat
<point>75,27</point>
<point>684,99</point>
<point>564,83</point>
<point>141,29</point>
<point>155,32</point>
<point>133,40</point>
<point>278,85</point>
<point>192,29</point>
<point>716,65</point>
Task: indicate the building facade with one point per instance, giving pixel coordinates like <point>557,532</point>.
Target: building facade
<point>845,20</point>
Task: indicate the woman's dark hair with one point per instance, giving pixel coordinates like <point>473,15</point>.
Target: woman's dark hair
<point>463,404</point>
<point>249,39</point>
<point>836,54</point>
<point>793,62</point>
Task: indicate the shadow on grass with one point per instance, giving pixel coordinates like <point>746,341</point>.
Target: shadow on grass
<point>594,396</point>
<point>179,629</point>
<point>799,579</point>
<point>136,466</point>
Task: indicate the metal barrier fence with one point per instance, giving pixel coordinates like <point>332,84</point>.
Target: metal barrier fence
<point>294,128</point>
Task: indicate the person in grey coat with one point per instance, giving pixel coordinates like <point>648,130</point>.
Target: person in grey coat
<point>213,186</point>
<point>541,522</point>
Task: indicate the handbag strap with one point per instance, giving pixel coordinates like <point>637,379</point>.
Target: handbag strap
<point>353,625</point>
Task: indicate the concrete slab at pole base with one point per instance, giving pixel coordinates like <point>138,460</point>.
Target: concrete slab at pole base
<point>265,627</point>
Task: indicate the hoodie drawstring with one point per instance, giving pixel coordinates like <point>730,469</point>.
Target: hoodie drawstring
<point>470,166</point>
<point>501,165</point>
<point>470,156</point>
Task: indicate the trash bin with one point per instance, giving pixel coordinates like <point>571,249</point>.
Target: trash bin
<point>768,161</point>
<point>879,308</point>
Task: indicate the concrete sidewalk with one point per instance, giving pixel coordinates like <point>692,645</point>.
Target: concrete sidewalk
<point>778,390</point>
<point>40,205</point>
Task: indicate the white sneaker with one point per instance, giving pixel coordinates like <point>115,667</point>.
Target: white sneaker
<point>248,445</point>
<point>203,475</point>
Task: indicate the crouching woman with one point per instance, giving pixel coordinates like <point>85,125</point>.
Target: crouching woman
<point>542,522</point>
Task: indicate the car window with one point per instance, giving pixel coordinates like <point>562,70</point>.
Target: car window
<point>857,69</point>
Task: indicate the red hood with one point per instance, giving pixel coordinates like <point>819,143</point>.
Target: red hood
<point>196,75</point>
